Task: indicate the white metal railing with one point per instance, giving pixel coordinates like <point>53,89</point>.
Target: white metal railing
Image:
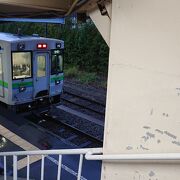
<point>161,157</point>
<point>45,154</point>
<point>90,154</point>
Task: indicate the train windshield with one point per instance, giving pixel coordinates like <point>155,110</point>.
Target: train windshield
<point>21,64</point>
<point>56,62</point>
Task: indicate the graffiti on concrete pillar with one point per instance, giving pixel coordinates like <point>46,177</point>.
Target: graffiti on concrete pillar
<point>151,175</point>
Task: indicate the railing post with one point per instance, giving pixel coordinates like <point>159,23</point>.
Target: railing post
<point>42,167</point>
<point>5,169</point>
<point>27,167</point>
<point>14,167</point>
<point>80,167</point>
<point>59,167</point>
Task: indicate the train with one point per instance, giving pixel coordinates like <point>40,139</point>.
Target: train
<point>31,70</point>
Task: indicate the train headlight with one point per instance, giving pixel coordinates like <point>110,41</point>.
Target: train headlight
<point>58,45</point>
<point>22,89</point>
<point>21,46</point>
<point>57,82</point>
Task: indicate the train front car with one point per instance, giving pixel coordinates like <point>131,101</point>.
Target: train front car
<point>37,72</point>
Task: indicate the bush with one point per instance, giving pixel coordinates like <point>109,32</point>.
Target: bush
<point>85,48</point>
<point>87,78</point>
<point>71,72</point>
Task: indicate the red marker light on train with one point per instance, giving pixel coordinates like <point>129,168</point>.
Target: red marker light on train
<point>44,46</point>
<point>41,46</point>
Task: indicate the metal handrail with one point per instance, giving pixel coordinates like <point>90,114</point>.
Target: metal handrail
<point>90,154</point>
<point>52,152</point>
<point>153,157</point>
<point>44,154</point>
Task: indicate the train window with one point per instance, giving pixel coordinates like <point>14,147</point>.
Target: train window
<point>1,70</point>
<point>60,63</point>
<point>21,62</point>
<point>1,77</point>
<point>53,64</point>
<point>41,66</point>
<point>56,64</point>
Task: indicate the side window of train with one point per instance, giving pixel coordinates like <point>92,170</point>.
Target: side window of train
<point>53,64</point>
<point>56,63</point>
<point>1,77</point>
<point>41,66</point>
<point>60,63</point>
<point>1,68</point>
<point>21,65</point>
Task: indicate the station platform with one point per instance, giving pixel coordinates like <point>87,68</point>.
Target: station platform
<point>20,135</point>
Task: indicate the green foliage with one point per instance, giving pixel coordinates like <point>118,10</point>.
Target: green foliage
<point>85,49</point>
<point>80,76</point>
<point>71,72</point>
<point>87,77</point>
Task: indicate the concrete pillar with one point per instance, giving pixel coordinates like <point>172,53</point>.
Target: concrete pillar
<point>143,103</point>
<point>103,23</point>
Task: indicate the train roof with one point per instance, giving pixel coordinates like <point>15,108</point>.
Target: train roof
<point>8,37</point>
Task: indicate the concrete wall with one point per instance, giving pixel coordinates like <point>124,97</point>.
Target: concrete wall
<point>143,104</point>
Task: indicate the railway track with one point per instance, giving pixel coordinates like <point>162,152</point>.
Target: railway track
<point>71,122</point>
<point>84,103</point>
<point>77,127</point>
<point>66,132</point>
<point>90,92</point>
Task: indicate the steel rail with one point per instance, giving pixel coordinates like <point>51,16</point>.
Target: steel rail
<point>69,126</point>
<point>85,98</point>
<point>83,106</point>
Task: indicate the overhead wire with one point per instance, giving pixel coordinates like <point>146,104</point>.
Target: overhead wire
<point>76,5</point>
<point>71,8</point>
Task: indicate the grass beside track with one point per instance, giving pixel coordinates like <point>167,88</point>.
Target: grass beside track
<point>87,78</point>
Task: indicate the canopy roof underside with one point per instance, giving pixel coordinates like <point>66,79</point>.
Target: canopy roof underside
<point>43,8</point>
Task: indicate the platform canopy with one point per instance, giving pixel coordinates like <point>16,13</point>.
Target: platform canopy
<point>43,8</point>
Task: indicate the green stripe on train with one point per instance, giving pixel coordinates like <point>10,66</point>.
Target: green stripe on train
<point>57,78</point>
<point>29,84</point>
<point>16,85</point>
<point>4,84</point>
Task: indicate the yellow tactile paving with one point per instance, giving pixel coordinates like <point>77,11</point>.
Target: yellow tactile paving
<point>21,143</point>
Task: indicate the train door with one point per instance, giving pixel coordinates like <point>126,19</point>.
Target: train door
<point>41,74</point>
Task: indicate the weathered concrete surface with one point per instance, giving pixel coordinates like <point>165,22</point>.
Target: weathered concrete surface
<point>143,104</point>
